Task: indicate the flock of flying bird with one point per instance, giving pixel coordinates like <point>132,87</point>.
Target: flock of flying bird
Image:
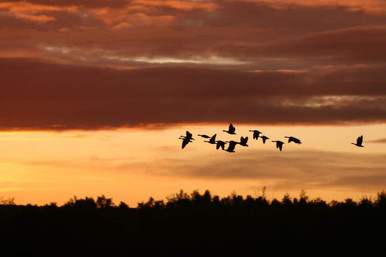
<point>244,140</point>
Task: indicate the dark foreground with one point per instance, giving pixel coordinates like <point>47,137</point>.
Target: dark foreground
<point>195,225</point>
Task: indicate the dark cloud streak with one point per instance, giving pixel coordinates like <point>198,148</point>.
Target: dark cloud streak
<point>53,96</point>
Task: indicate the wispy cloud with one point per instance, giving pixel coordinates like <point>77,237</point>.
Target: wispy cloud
<point>287,170</point>
<point>381,140</point>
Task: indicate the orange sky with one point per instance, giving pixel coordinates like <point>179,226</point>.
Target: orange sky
<point>83,81</point>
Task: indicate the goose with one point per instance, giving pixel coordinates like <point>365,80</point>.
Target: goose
<point>186,139</point>
<point>188,135</point>
<point>219,144</point>
<point>293,139</point>
<point>279,144</point>
<point>231,147</point>
<point>212,140</point>
<point>243,141</point>
<point>264,138</point>
<point>359,142</point>
<point>256,134</point>
<point>231,130</point>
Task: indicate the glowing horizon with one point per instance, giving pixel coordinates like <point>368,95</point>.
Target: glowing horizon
<point>131,165</point>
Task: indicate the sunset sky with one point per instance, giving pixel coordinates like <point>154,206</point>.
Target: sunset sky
<point>95,93</point>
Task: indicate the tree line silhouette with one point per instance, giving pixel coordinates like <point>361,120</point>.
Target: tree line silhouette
<point>191,224</point>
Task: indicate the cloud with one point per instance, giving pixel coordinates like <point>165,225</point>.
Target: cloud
<point>284,170</point>
<point>287,170</point>
<point>39,95</point>
<point>186,30</point>
<point>108,64</point>
<point>374,6</point>
<point>32,12</point>
<point>381,140</point>
<point>358,44</point>
<point>60,3</point>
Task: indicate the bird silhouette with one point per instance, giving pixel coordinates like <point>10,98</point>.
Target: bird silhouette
<point>188,135</point>
<point>219,144</point>
<point>256,134</point>
<point>279,144</point>
<point>186,139</point>
<point>204,136</point>
<point>264,138</point>
<point>359,142</point>
<point>293,139</point>
<point>212,140</point>
<point>231,130</point>
<point>231,147</point>
<point>243,141</point>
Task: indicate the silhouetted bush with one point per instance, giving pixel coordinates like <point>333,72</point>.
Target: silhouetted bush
<point>103,202</point>
<point>381,199</point>
<point>9,201</point>
<point>123,205</point>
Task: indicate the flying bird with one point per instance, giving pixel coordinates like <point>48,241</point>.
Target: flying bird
<point>243,141</point>
<point>264,138</point>
<point>219,144</point>
<point>231,130</point>
<point>212,140</point>
<point>294,139</point>
<point>231,147</point>
<point>186,139</point>
<point>279,144</point>
<point>359,142</point>
<point>188,134</point>
<point>256,134</point>
<point>204,136</point>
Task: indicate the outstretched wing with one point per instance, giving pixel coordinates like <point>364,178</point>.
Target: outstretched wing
<point>360,140</point>
<point>291,139</point>
<point>280,146</point>
<point>213,139</point>
<point>231,128</point>
<point>184,143</point>
<point>256,135</point>
<point>220,144</point>
<point>188,134</point>
<point>232,145</point>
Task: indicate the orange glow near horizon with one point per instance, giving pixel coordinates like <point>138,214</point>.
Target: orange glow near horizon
<point>131,165</point>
